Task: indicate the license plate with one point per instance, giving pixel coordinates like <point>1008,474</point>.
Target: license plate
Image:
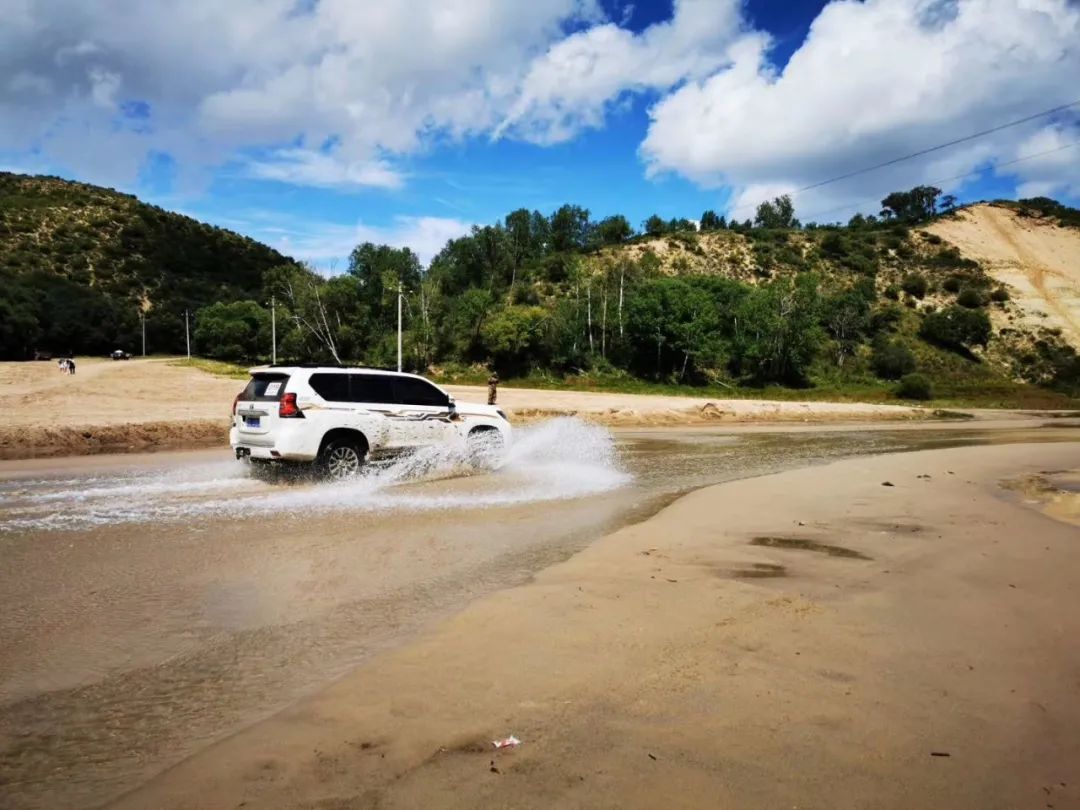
<point>251,421</point>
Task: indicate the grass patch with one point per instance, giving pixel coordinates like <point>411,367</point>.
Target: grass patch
<point>216,367</point>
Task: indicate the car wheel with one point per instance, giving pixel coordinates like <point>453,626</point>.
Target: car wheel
<point>341,459</point>
<point>483,449</point>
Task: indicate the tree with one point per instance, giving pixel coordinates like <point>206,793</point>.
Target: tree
<point>238,330</point>
<point>957,328</point>
<point>891,359</point>
<point>711,222</point>
<point>780,213</point>
<point>514,336</point>
<point>613,230</point>
<point>654,226</point>
<point>569,228</point>
<point>778,331</point>
<point>948,203</point>
<point>846,317</point>
<point>916,205</point>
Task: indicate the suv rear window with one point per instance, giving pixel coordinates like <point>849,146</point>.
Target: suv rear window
<point>265,388</point>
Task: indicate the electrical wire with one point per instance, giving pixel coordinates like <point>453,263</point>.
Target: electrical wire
<point>996,166</point>
<point>921,152</point>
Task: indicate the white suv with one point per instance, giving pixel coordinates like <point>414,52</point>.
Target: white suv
<point>336,418</point>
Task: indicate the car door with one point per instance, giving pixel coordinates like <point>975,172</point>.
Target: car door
<point>425,410</point>
<point>374,393</point>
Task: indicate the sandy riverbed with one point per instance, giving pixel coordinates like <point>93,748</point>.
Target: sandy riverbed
<point>111,407</point>
<point>817,638</point>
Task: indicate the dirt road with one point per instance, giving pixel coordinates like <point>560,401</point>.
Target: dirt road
<point>152,404</point>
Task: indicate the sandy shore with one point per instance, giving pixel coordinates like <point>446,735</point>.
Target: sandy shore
<point>140,405</point>
<point>815,639</point>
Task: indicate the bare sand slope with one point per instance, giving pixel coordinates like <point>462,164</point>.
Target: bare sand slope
<point>1039,262</point>
<point>149,404</point>
<point>812,639</point>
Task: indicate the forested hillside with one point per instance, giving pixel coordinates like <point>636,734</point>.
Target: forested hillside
<point>79,264</point>
<point>879,304</point>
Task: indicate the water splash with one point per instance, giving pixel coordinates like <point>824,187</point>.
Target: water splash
<point>554,460</point>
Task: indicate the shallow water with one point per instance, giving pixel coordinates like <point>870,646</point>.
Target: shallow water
<point>150,609</point>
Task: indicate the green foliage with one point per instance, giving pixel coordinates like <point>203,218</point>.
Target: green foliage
<point>891,359</point>
<point>915,285</point>
<point>970,298</point>
<point>711,222</point>
<point>654,226</point>
<point>614,230</point>
<point>915,386</point>
<point>779,333</point>
<point>780,213</point>
<point>999,295</point>
<point>1045,207</point>
<point>917,205</point>
<point>957,328</point>
<point>80,263</point>
<point>239,330</point>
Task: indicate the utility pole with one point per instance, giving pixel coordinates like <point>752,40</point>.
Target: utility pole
<point>273,330</point>
<point>142,318</point>
<point>187,335</point>
<point>399,326</point>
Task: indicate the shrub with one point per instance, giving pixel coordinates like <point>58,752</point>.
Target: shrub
<point>915,386</point>
<point>914,284</point>
<point>932,238</point>
<point>1000,295</point>
<point>970,298</point>
<point>956,328</point>
<point>892,292</point>
<point>892,359</point>
<point>951,284</point>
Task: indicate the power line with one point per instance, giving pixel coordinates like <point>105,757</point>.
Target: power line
<point>922,152</point>
<point>996,166</point>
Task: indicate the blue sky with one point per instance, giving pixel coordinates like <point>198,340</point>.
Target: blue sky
<point>314,126</point>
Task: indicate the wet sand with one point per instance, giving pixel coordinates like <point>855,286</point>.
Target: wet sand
<point>814,638</point>
<point>159,628</point>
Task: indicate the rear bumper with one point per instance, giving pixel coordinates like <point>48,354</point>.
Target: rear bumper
<point>281,445</point>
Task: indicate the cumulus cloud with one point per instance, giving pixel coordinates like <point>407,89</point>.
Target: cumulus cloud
<point>571,86</point>
<point>326,245</point>
<point>224,79</point>
<point>872,81</point>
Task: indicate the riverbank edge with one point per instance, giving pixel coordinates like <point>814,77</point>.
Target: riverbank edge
<point>30,441</point>
<point>379,738</point>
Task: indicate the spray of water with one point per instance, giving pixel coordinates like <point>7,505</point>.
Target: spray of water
<point>558,459</point>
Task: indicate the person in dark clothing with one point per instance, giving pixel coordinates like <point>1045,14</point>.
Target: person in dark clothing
<point>493,387</point>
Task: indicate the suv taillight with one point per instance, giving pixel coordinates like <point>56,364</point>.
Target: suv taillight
<point>287,408</point>
<point>235,400</point>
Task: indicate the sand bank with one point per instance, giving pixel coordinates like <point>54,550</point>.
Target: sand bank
<point>144,405</point>
<point>896,631</point>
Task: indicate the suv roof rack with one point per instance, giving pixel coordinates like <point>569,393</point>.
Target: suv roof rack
<point>336,365</point>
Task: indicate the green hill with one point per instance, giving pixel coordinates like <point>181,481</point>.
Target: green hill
<point>902,304</point>
<point>79,264</point>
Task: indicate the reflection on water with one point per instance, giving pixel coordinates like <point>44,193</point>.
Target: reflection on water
<point>141,623</point>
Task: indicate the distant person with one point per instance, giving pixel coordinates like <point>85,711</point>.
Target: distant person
<point>71,365</point>
<point>493,387</point>
<point>61,364</point>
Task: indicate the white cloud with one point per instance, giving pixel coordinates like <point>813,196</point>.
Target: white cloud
<point>328,245</point>
<point>223,79</point>
<point>873,81</point>
<point>305,167</point>
<point>571,86</point>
